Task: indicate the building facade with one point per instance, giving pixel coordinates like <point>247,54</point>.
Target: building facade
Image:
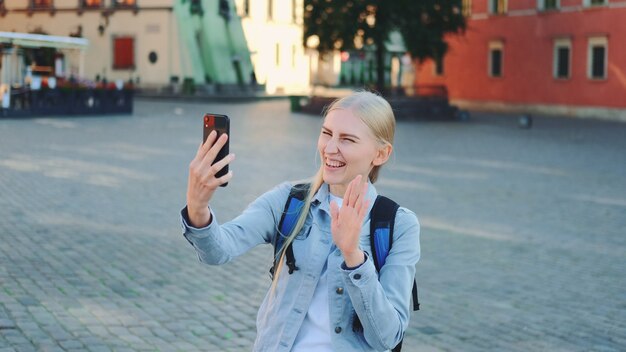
<point>157,43</point>
<point>273,30</point>
<point>546,56</point>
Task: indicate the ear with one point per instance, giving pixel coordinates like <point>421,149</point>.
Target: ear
<point>382,155</point>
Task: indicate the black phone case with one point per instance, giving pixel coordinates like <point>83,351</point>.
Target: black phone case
<point>221,124</point>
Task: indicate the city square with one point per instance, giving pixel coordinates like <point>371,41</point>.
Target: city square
<point>522,230</point>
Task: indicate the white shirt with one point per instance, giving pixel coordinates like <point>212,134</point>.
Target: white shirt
<point>314,334</point>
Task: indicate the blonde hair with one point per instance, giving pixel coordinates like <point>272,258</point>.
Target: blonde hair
<point>377,114</point>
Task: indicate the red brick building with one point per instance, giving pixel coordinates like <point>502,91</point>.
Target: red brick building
<point>548,56</point>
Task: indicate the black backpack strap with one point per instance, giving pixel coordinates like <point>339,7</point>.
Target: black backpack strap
<point>382,219</point>
<point>381,236</point>
<point>398,347</point>
<point>288,220</point>
<point>416,301</point>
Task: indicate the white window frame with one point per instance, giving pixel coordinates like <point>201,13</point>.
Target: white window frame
<point>541,5</point>
<point>592,42</point>
<point>504,10</point>
<point>562,43</point>
<point>495,45</point>
<point>587,3</point>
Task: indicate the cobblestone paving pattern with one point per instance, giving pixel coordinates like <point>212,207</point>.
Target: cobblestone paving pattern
<point>523,231</point>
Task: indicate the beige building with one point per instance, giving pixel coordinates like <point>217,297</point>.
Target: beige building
<point>140,39</point>
<point>273,30</point>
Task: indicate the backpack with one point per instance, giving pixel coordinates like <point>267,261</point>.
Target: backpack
<point>382,220</point>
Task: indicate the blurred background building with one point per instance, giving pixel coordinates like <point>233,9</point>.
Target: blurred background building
<point>208,45</point>
<point>550,56</point>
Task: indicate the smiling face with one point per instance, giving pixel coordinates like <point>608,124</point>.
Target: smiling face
<point>348,148</point>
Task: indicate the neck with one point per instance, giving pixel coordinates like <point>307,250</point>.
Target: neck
<point>337,190</point>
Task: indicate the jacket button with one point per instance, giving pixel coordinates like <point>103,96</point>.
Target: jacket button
<point>338,329</point>
<point>357,276</point>
<point>339,290</point>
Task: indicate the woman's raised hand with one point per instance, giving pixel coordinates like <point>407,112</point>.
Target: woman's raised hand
<point>202,182</point>
<point>346,222</point>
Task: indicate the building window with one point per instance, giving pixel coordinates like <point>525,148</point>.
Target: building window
<point>595,2</point>
<point>41,4</point>
<point>294,11</point>
<point>223,8</point>
<point>548,4</point>
<point>495,58</point>
<point>124,3</point>
<point>597,58</point>
<point>90,4</point>
<point>497,7</point>
<point>123,53</point>
<point>270,10</point>
<point>277,55</point>
<point>246,8</point>
<point>438,69</point>
<point>562,58</point>
<point>467,8</point>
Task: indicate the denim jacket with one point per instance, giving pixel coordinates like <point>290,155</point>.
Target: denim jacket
<point>382,303</point>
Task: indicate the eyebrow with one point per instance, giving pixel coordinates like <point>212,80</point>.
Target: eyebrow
<point>342,134</point>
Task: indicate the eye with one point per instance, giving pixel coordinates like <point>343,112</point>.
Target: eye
<point>326,133</point>
<point>349,140</point>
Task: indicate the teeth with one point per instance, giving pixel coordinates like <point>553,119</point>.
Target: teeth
<point>332,163</point>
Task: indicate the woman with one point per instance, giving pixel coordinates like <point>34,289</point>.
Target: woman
<point>313,308</point>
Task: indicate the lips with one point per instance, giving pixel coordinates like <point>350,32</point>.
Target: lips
<point>334,164</point>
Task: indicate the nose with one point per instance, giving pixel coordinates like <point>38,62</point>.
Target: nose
<point>331,146</point>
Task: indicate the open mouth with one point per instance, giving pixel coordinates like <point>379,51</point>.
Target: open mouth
<point>333,164</point>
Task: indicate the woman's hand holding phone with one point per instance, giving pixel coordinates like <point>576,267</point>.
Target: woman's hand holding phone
<point>203,181</point>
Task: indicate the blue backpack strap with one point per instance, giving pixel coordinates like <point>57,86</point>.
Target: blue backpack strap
<point>288,220</point>
<point>382,219</point>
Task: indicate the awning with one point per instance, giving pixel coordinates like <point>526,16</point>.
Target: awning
<point>28,40</point>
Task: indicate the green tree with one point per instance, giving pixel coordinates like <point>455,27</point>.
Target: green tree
<point>353,24</point>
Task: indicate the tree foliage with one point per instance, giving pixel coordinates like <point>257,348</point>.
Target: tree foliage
<point>354,24</point>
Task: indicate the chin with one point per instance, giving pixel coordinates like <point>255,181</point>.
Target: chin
<point>332,179</point>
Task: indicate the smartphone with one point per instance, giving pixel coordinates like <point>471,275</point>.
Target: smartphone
<point>221,124</point>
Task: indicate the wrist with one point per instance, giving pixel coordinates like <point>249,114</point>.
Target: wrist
<point>354,259</point>
<point>199,217</point>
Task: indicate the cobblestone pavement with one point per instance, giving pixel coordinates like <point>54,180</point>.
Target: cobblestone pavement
<point>523,231</point>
